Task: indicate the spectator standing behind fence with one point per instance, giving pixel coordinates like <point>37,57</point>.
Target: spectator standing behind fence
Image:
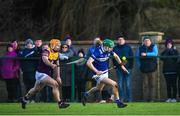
<point>147,61</point>
<point>14,43</point>
<point>125,52</point>
<point>68,41</point>
<point>45,46</point>
<point>9,71</point>
<point>170,69</point>
<point>96,43</point>
<point>65,56</point>
<point>38,45</point>
<point>80,74</point>
<point>16,48</point>
<point>28,64</point>
<point>38,50</point>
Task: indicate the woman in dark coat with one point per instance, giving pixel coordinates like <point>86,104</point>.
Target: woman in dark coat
<point>170,69</point>
<point>66,71</point>
<point>81,73</point>
<point>9,70</point>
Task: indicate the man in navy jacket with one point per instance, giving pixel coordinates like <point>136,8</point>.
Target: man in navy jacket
<point>124,51</point>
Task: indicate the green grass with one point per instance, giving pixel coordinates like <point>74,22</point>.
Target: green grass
<point>92,109</point>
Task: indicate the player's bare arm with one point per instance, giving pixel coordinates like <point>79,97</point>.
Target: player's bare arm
<point>120,63</point>
<point>57,73</point>
<point>91,66</point>
<point>47,62</point>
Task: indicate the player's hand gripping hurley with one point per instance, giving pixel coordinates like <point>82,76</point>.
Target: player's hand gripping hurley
<point>114,67</point>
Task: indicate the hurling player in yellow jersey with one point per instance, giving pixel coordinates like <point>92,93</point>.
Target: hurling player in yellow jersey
<point>48,64</point>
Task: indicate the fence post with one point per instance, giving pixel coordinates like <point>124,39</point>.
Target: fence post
<point>72,83</point>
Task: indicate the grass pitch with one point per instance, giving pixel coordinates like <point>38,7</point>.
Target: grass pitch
<point>139,108</point>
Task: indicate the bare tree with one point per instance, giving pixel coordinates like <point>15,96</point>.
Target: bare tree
<point>85,19</point>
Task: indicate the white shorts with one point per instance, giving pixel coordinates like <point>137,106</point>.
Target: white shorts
<point>100,77</point>
<point>40,76</point>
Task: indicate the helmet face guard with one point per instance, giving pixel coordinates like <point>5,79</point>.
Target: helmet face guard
<point>109,43</point>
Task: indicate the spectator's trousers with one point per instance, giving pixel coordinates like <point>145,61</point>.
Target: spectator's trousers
<point>149,86</point>
<point>124,85</point>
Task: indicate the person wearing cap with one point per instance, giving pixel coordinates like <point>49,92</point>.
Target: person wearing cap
<point>147,62</point>
<point>124,51</point>
<point>48,64</point>
<point>28,64</point>
<point>170,69</point>
<point>98,63</point>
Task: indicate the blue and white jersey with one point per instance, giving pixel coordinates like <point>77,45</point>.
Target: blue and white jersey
<point>101,58</point>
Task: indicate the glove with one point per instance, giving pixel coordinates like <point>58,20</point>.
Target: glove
<point>63,57</point>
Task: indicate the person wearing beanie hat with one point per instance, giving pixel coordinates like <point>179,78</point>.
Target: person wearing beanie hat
<point>146,37</point>
<point>169,41</point>
<point>15,44</point>
<point>28,64</point>
<point>48,64</point>
<point>29,41</point>
<point>68,41</point>
<point>67,37</point>
<point>65,53</point>
<point>147,62</point>
<point>169,57</point>
<point>98,63</point>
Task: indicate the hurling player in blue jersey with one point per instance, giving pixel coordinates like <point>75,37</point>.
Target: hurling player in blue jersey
<point>98,63</point>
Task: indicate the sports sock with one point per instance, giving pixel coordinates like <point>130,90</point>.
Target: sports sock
<point>26,98</point>
<point>60,102</point>
<point>118,101</point>
<point>86,94</point>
